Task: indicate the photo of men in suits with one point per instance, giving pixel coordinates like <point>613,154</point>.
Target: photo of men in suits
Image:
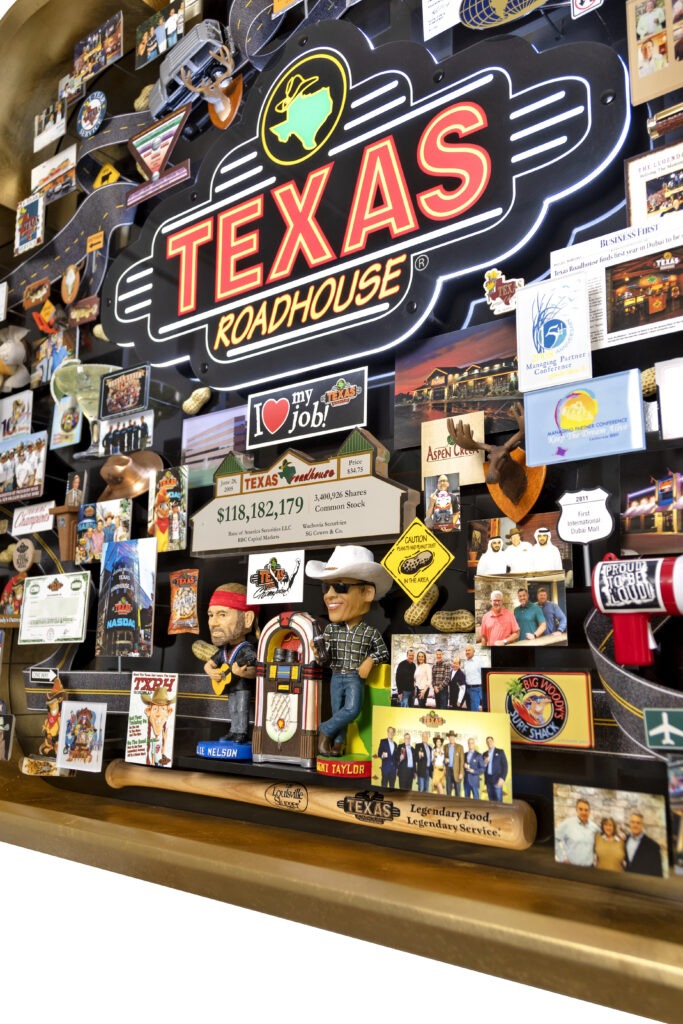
<point>446,753</point>
<point>388,754</point>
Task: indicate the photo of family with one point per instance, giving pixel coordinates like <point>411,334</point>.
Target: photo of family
<point>610,829</point>
<point>452,754</point>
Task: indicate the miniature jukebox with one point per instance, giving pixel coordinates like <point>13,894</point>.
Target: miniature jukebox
<point>287,692</point>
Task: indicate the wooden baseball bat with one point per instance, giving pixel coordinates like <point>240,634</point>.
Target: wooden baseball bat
<point>510,826</point>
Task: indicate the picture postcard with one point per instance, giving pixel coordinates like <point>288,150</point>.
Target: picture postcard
<point>7,725</point>
<point>32,518</point>
<point>11,600</point>
<point>207,438</point>
<point>49,352</point>
<point>553,332</point>
<point>67,423</point>
<point>167,509</point>
<point>151,718</point>
<point>456,374</point>
<point>500,547</point>
<point>444,752</point>
<point>631,274</point>
<point>675,789</point>
<point>602,417</point>
<point>551,709</point>
<point>55,608</point>
<point>125,607</point>
<point>652,517</point>
<point>275,577</point>
<point>126,434</point>
<point>29,230</point>
<point>611,829</point>
<point>519,611</point>
<point>440,453</point>
<point>669,377</point>
<point>49,125</point>
<point>441,682</point>
<point>442,502</point>
<point>15,414</point>
<point>22,467</point>
<point>155,36</point>
<point>98,49</point>
<point>125,392</point>
<point>100,523</point>
<point>308,408</point>
<point>654,181</point>
<point>653,30</point>
<point>56,176</point>
<point>81,736</point>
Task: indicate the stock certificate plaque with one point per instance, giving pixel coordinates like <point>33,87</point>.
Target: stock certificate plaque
<point>54,609</point>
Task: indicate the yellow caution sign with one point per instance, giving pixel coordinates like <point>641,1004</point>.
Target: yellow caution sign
<point>416,560</point>
<point>107,176</point>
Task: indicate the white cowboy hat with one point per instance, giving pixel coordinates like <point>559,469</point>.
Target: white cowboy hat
<point>349,561</point>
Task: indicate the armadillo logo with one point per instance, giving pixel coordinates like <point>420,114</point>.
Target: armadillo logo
<point>357,182</point>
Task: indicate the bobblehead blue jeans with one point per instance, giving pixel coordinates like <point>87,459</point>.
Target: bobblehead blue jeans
<point>346,694</point>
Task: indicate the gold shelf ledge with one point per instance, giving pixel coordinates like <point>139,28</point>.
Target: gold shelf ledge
<point>620,949</point>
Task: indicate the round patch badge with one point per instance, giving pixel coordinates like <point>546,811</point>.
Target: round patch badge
<point>537,708</point>
<point>91,114</point>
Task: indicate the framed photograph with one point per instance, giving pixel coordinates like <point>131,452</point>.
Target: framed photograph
<point>654,183</point>
<point>125,606</point>
<point>500,547</point>
<point>125,392</point>
<point>436,670</point>
<point>520,611</point>
<point>653,59</point>
<point>22,467</point>
<point>126,434</point>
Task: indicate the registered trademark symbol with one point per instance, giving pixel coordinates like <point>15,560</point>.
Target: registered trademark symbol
<point>421,262</point>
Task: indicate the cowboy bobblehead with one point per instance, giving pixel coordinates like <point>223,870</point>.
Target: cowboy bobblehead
<point>351,581</point>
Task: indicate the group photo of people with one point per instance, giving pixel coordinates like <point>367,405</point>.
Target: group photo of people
<point>526,611</point>
<point>501,547</point>
<point>156,35</point>
<point>437,671</point>
<point>610,829</point>
<point>119,437</point>
<point>22,466</point>
<point>462,756</point>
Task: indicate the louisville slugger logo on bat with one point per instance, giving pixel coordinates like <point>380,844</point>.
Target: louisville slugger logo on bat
<point>511,826</point>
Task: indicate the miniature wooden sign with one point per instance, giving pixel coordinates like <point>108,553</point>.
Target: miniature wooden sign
<point>297,501</point>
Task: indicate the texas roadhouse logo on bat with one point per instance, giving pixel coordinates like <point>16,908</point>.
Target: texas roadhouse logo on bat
<point>349,195</point>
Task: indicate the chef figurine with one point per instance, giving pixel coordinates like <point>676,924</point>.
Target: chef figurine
<point>233,665</point>
<point>351,581</point>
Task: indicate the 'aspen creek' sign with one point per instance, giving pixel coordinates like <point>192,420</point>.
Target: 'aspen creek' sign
<point>323,224</point>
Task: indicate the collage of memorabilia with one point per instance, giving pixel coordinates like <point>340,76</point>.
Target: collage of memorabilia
<point>317,460</point>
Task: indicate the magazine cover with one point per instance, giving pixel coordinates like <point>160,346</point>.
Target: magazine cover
<point>167,512</point>
<point>81,736</point>
<point>99,523</point>
<point>15,414</point>
<point>125,609</point>
<point>151,718</point>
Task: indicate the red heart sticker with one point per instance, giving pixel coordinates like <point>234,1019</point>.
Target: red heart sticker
<point>275,413</point>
